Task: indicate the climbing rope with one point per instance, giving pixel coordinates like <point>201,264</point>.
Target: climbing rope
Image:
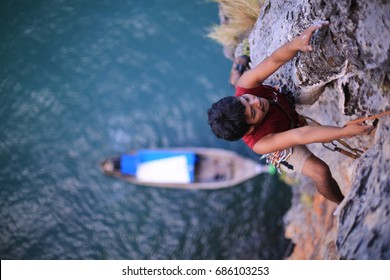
<point>372,117</point>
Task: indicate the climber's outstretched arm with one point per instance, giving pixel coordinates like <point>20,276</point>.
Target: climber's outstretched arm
<point>307,135</point>
<point>268,66</point>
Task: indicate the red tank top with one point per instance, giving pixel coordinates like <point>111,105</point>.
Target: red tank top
<point>278,118</point>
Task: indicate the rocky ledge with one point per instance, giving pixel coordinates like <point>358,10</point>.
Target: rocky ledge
<point>345,77</point>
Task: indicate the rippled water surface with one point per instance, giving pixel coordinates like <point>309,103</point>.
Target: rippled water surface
<point>80,80</point>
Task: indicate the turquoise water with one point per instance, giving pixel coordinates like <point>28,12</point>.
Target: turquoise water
<point>80,80</point>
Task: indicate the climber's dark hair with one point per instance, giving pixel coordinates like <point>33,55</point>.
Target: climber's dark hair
<point>227,118</point>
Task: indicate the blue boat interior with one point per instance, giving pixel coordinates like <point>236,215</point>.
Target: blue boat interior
<point>129,163</point>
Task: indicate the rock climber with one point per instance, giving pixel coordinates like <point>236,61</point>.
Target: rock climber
<point>265,119</point>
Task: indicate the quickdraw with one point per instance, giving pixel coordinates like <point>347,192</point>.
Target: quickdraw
<point>355,153</point>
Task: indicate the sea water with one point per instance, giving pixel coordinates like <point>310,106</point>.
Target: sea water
<point>81,80</point>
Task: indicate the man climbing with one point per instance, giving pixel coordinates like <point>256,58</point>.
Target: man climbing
<point>267,122</point>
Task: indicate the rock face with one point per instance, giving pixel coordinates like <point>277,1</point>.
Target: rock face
<point>346,76</point>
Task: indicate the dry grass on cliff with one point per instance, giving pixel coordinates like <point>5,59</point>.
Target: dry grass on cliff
<point>241,16</point>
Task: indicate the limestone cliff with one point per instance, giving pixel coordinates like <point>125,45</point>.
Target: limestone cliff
<point>346,76</point>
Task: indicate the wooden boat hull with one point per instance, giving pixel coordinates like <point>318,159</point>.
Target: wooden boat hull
<point>216,168</point>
